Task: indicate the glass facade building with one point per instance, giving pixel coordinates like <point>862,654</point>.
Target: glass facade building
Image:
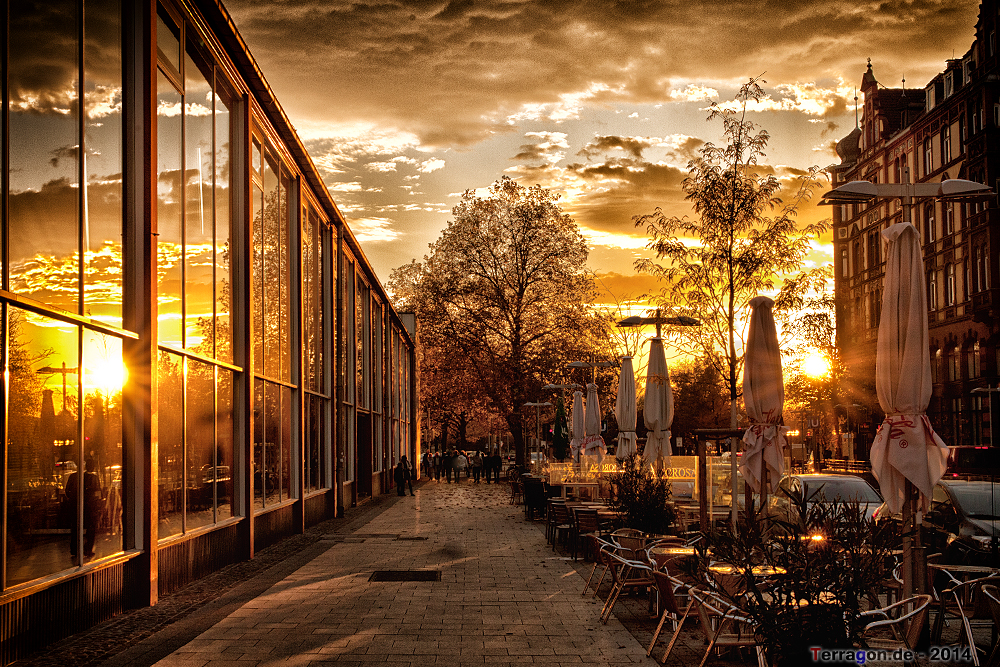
<point>199,361</point>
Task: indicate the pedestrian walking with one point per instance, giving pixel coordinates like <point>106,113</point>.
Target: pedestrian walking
<point>477,465</point>
<point>403,477</point>
<point>425,465</point>
<point>448,463</point>
<point>437,465</point>
<point>461,464</point>
<point>497,465</point>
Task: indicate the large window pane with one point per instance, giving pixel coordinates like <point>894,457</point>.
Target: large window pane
<point>262,484</point>
<point>271,269</point>
<point>201,455</point>
<point>44,198</point>
<point>199,246</point>
<point>43,448</point>
<point>257,282</point>
<point>224,445</point>
<point>170,417</point>
<point>310,310</point>
<point>169,204</point>
<point>285,426</point>
<point>103,378</point>
<point>224,339</point>
<point>313,446</point>
<point>284,282</point>
<point>102,212</point>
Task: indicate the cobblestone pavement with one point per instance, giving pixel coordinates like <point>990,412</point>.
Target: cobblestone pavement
<point>504,597</point>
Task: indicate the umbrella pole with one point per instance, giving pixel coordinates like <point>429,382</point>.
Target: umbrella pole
<point>914,559</point>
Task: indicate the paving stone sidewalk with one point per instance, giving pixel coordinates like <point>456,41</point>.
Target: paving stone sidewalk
<point>504,597</point>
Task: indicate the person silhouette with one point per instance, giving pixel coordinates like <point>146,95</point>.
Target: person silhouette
<point>92,501</point>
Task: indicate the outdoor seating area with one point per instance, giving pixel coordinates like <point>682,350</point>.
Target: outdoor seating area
<point>653,583</point>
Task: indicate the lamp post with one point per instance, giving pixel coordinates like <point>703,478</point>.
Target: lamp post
<point>538,415</point>
<point>914,558</point>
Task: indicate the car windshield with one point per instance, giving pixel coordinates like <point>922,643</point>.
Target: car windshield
<point>981,501</point>
<point>843,490</point>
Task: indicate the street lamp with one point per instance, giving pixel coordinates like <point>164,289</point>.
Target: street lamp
<point>592,365</point>
<point>914,558</point>
<point>538,412</point>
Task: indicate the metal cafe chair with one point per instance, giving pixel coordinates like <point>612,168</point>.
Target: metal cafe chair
<point>724,624</point>
<point>892,631</point>
<point>601,557</point>
<point>627,575</point>
<point>992,596</point>
<point>966,600</point>
<point>666,588</point>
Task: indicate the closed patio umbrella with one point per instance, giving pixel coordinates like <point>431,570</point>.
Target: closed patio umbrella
<point>764,399</point>
<point>577,428</point>
<point>593,443</point>
<point>906,446</point>
<point>625,410</point>
<point>658,407</point>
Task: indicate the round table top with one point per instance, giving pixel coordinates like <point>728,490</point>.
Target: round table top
<point>758,570</point>
<point>672,551</point>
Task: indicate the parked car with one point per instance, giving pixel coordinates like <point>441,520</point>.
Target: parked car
<point>963,521</point>
<point>821,488</point>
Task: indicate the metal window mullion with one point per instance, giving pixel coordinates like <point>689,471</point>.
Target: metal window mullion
<point>5,388</point>
<point>184,444</point>
<point>81,470</point>
<point>81,162</point>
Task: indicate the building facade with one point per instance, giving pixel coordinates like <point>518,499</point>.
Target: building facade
<point>199,359</point>
<point>948,129</point>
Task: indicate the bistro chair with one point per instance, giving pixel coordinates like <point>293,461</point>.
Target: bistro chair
<point>626,574</point>
<point>724,625</point>
<point>666,589</point>
<point>632,540</point>
<point>966,601</point>
<point>562,525</point>
<point>586,527</point>
<point>601,557</point>
<point>550,518</point>
<point>992,596</point>
<point>893,627</point>
<point>516,490</point>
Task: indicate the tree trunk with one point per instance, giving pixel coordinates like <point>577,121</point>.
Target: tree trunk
<point>517,432</point>
<point>463,425</point>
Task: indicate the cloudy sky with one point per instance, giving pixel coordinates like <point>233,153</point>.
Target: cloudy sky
<point>404,104</point>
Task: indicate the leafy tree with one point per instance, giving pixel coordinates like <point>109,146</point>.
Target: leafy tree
<point>700,397</point>
<point>746,238</point>
<point>505,289</point>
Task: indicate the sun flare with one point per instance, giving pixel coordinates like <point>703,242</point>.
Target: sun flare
<point>816,365</point>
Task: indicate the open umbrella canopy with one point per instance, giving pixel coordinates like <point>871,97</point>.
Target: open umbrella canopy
<point>593,443</point>
<point>577,426</point>
<point>625,410</point>
<point>906,446</point>
<point>658,408</point>
<point>764,398</point>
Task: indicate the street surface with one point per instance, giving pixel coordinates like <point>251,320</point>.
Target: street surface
<point>504,597</point>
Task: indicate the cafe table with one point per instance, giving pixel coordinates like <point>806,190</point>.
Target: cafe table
<point>959,574</point>
<point>663,555</point>
<point>730,577</point>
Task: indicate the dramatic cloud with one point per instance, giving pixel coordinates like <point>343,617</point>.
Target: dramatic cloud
<point>455,73</point>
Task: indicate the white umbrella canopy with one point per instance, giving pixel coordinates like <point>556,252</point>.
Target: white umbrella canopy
<point>593,443</point>
<point>658,407</point>
<point>764,399</point>
<point>576,426</point>
<point>625,410</point>
<point>906,446</point>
